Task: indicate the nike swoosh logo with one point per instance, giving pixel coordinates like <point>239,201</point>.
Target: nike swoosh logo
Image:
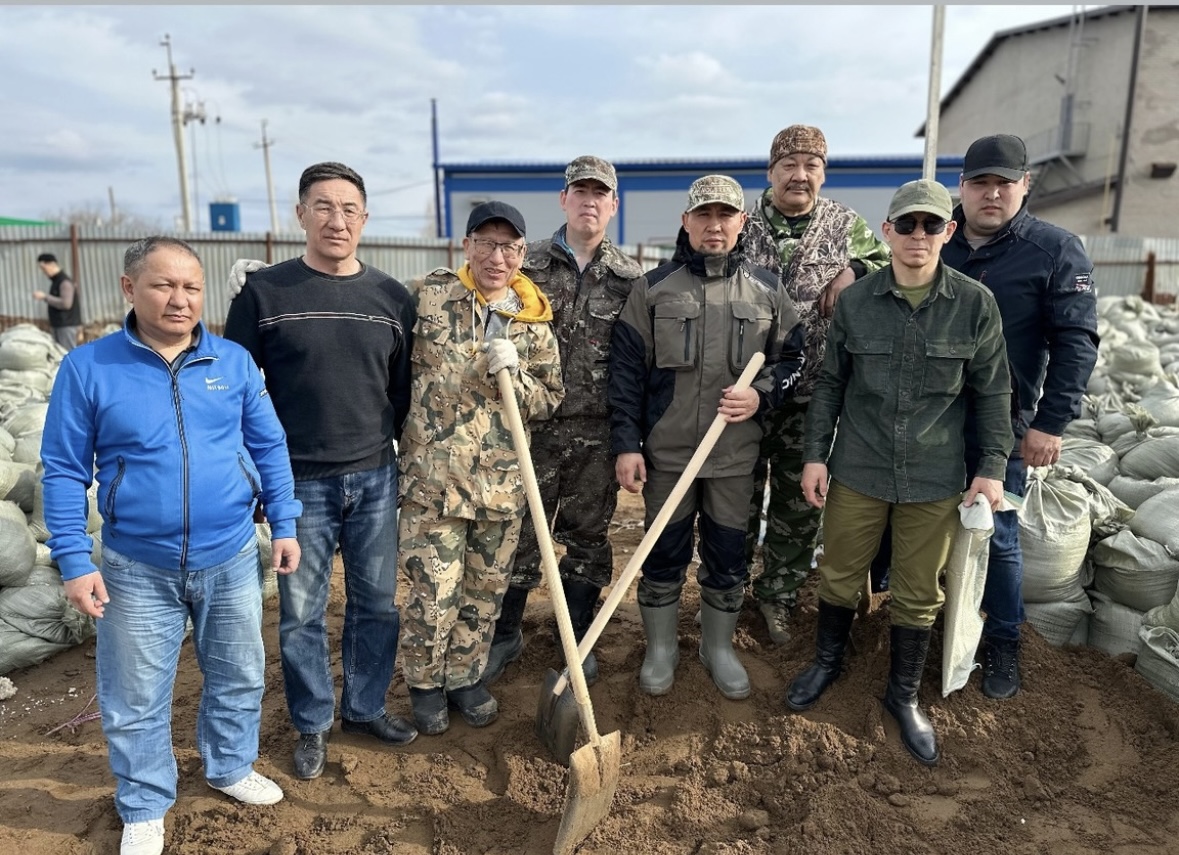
<point>212,380</point>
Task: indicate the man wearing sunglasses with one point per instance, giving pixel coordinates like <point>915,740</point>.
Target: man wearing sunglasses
<point>908,346</point>
<point>819,247</point>
<point>587,279</point>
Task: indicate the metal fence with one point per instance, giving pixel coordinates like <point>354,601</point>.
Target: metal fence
<point>93,257</point>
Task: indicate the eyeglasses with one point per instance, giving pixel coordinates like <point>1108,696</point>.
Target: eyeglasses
<point>907,224</point>
<point>351,213</point>
<point>486,246</point>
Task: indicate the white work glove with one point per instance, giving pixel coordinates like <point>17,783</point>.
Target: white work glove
<point>237,274</point>
<point>501,353</point>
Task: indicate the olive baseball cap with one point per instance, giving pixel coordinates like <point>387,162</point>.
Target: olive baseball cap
<point>590,168</point>
<point>1004,155</point>
<point>922,195</point>
<point>712,189</point>
<point>489,211</point>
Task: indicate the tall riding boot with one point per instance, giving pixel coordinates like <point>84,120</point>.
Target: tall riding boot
<point>507,642</point>
<point>909,646</point>
<point>582,598</point>
<point>831,638</point>
<point>659,605</point>
<point>717,625</point>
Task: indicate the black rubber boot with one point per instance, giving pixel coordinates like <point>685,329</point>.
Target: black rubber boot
<point>831,639</point>
<point>909,647</point>
<point>507,642</point>
<point>1000,679</point>
<point>582,599</point>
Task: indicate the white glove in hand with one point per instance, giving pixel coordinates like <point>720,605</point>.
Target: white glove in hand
<point>501,353</point>
<point>237,274</point>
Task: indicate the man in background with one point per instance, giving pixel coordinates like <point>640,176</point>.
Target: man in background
<point>63,301</point>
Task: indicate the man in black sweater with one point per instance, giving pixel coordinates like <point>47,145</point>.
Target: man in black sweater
<point>333,337</point>
<point>65,308</point>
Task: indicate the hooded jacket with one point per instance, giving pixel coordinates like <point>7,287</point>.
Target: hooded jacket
<point>457,454</point>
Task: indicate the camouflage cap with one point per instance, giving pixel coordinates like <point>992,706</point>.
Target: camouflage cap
<point>798,138</point>
<point>719,189</point>
<point>922,195</point>
<point>590,168</point>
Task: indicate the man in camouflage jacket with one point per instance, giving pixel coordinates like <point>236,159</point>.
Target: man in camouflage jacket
<point>587,279</point>
<point>819,247</point>
<point>462,496</point>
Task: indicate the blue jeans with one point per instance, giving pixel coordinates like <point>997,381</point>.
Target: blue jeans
<point>1003,594</point>
<point>358,511</point>
<point>139,639</point>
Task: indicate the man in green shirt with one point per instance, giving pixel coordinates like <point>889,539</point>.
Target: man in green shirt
<point>908,346</point>
<point>819,247</point>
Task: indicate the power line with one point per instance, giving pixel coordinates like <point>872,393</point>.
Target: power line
<point>178,126</point>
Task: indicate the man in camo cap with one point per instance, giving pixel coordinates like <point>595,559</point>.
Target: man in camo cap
<point>676,353</point>
<point>818,247</point>
<point>587,279</point>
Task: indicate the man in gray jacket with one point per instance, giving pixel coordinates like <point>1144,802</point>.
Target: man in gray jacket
<point>677,351</point>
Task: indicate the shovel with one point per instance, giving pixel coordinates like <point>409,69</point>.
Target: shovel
<point>556,711</point>
<point>593,768</point>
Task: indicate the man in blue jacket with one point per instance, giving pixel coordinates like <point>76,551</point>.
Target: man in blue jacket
<point>186,442</point>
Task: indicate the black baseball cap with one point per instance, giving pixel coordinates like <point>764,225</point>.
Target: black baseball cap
<point>488,211</point>
<point>1004,155</point>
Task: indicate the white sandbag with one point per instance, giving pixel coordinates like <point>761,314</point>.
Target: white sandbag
<point>37,517</point>
<point>1114,627</point>
<point>39,608</point>
<point>39,380</point>
<point>1080,636</point>
<point>1083,429</point>
<point>18,482</point>
<point>28,449</point>
<point>1112,425</point>
<point>1058,622</point>
<point>1054,529</point>
<point>7,444</point>
<point>18,548</point>
<point>265,556</point>
<point>966,577</point>
<point>28,419</point>
<point>1133,491</point>
<point>1158,660</point>
<point>1162,402</point>
<point>44,557</point>
<point>1157,457</point>
<point>1165,615</point>
<point>24,354</point>
<point>18,650</point>
<point>1134,571</point>
<point>1095,458</point>
<point>1157,519</point>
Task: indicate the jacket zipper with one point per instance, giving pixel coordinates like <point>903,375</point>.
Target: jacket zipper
<point>110,495</point>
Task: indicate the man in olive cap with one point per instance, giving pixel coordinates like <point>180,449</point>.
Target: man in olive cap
<point>676,353</point>
<point>587,279</point>
<point>819,247</point>
<point>909,346</point>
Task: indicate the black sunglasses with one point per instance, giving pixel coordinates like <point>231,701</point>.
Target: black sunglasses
<point>907,224</point>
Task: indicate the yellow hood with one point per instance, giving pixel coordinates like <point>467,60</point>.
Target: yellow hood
<point>536,304</point>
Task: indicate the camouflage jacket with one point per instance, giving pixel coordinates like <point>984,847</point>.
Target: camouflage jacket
<point>456,451</point>
<point>808,254</point>
<point>585,307</point>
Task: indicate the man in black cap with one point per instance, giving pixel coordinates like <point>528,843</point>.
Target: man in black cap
<point>65,306</point>
<point>1043,281</point>
<point>462,497</point>
<point>587,279</point>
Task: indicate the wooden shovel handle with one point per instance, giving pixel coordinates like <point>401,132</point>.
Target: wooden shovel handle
<point>548,558</point>
<point>635,565</point>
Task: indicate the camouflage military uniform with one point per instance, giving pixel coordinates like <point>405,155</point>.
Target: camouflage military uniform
<point>462,496</point>
<point>571,452</point>
<point>808,252</point>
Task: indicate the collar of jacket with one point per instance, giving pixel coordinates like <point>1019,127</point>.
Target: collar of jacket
<point>536,305</point>
<point>887,281</point>
<point>707,266</point>
<point>204,344</point>
<point>1013,225</point>
<point>540,256</point>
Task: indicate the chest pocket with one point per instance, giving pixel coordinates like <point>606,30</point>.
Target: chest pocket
<point>871,363</point>
<point>945,367</point>
<point>432,337</point>
<point>751,329</point>
<point>676,332</point>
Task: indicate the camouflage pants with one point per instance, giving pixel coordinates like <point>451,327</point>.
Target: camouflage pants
<point>457,571</point>
<point>791,524</point>
<point>575,472</point>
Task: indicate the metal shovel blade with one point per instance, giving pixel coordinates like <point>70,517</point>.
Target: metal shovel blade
<point>557,721</point>
<point>593,778</point>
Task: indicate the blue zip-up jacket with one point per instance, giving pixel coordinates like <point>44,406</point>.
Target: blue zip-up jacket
<point>1042,280</point>
<point>182,454</point>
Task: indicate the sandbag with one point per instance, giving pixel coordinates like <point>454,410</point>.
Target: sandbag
<point>39,380</point>
<point>1158,660</point>
<point>1135,357</point>
<point>266,556</point>
<point>26,354</point>
<point>37,517</point>
<point>39,608</point>
<point>1162,402</point>
<point>1054,529</point>
<point>1114,627</point>
<point>966,577</point>
<point>1165,615</point>
<point>28,419</point>
<point>1157,519</point>
<point>1133,492</point>
<point>1157,457</point>
<point>18,482</point>
<point>1058,623</point>
<point>18,650</point>
<point>1085,429</point>
<point>1134,571</point>
<point>1093,457</point>
<point>7,444</point>
<point>28,449</point>
<point>18,547</point>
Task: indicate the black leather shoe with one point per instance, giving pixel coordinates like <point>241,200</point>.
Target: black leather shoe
<point>429,710</point>
<point>1000,679</point>
<point>311,754</point>
<point>474,703</point>
<point>392,729</point>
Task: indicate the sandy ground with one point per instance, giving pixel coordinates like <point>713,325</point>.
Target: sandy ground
<point>1085,760</point>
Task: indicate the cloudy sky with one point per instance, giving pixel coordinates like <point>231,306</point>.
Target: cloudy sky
<point>82,115</point>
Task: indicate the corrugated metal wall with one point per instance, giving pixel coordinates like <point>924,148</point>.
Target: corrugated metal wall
<point>1120,264</point>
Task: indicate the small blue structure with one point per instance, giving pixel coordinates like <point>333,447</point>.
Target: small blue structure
<point>225,217</point>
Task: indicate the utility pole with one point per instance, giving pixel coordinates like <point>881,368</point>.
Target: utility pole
<point>195,112</point>
<point>178,126</point>
<point>437,182</point>
<point>933,108</point>
<point>265,146</point>
<point>1120,191</point>
<point>110,192</point>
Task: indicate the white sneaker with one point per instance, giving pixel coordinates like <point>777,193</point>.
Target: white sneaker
<point>143,838</point>
<point>253,789</point>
